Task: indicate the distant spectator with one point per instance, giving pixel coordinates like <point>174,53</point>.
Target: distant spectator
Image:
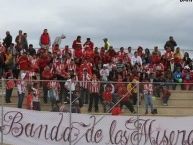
<point>106,44</point>
<point>20,40</point>
<point>21,88</point>
<point>29,100</point>
<point>45,40</point>
<point>170,43</point>
<point>36,97</point>
<point>25,42</point>
<point>31,50</point>
<point>187,78</point>
<point>136,59</point>
<point>53,92</point>
<point>177,76</point>
<point>89,44</point>
<point>156,51</point>
<point>94,88</point>
<point>58,40</point>
<point>186,59</point>
<point>130,54</point>
<point>148,92</point>
<point>146,57</point>
<point>10,84</point>
<point>77,46</point>
<point>166,95</point>
<point>107,98</point>
<point>104,73</point>
<point>178,56</point>
<point>7,40</point>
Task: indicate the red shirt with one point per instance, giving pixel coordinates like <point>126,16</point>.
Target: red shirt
<point>107,96</point>
<point>10,84</point>
<point>23,62</point>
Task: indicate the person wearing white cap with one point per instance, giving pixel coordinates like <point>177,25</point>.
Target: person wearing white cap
<point>58,40</point>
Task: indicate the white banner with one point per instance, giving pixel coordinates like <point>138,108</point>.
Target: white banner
<point>25,127</point>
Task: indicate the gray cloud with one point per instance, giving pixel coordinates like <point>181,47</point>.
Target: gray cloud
<point>124,22</point>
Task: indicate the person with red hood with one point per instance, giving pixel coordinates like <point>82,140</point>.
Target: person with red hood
<point>45,40</point>
<point>77,46</point>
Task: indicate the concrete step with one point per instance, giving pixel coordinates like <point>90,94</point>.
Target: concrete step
<point>175,102</point>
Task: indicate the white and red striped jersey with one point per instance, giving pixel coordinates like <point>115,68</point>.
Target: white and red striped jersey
<point>94,86</point>
<point>72,66</point>
<point>54,85</point>
<point>148,89</point>
<point>84,80</point>
<point>21,86</point>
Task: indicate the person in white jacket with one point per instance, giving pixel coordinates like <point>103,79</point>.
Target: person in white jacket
<point>58,40</point>
<point>21,88</point>
<point>104,73</point>
<point>136,59</point>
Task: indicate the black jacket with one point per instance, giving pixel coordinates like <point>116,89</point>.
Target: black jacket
<point>7,41</point>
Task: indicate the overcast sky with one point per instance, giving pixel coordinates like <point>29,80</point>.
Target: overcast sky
<point>125,22</point>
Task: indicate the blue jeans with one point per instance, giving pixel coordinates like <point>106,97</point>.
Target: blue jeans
<point>148,102</point>
<point>20,99</point>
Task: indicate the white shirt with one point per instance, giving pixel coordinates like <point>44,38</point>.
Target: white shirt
<point>104,74</point>
<point>136,60</point>
<point>70,85</point>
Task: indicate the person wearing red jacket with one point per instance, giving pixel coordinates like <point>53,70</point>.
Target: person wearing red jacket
<point>46,75</point>
<point>107,98</point>
<point>45,40</point>
<point>77,46</point>
<point>89,44</point>
<point>10,84</point>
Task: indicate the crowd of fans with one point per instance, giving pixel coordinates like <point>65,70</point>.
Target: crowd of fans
<point>93,75</point>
